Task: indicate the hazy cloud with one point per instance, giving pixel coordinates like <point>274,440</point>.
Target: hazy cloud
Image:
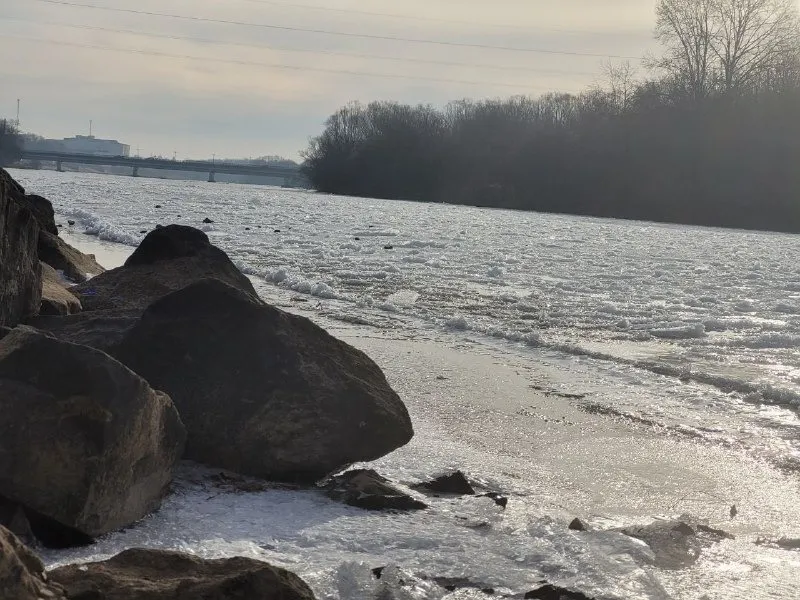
<point>199,87</point>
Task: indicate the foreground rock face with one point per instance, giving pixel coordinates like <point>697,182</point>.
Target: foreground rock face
<point>159,575</point>
<point>75,265</point>
<point>84,442</point>
<point>22,573</point>
<point>263,392</point>
<point>56,299</point>
<point>42,209</point>
<point>20,273</point>
<point>168,259</point>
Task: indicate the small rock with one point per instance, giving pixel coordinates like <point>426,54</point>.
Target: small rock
<point>158,206</point>
<point>358,239</point>
<point>277,231</point>
<point>60,225</point>
<point>364,488</point>
<point>554,592</point>
<point>577,525</point>
<point>452,483</point>
<point>378,572</point>
<point>247,229</point>
<point>498,498</point>
<point>388,247</point>
<point>70,222</point>
<point>207,221</point>
<point>143,231</point>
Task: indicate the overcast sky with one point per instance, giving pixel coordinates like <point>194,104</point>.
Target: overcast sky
<point>199,87</point>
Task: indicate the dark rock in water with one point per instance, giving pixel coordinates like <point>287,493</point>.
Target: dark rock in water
<point>378,572</point>
<point>143,231</point>
<point>247,229</point>
<point>364,488</point>
<point>70,222</point>
<point>42,209</point>
<point>167,260</point>
<point>554,592</point>
<point>388,247</point>
<point>358,239</point>
<point>263,392</point>
<point>20,272</point>
<point>60,225</point>
<point>451,483</point>
<point>139,574</point>
<point>101,329</point>
<point>207,221</point>
<point>277,231</point>
<point>22,575</point>
<point>498,498</point>
<point>451,584</point>
<point>158,206</point>
<point>577,525</point>
<point>85,442</point>
<point>675,544</point>
<point>75,265</point>
<point>56,299</point>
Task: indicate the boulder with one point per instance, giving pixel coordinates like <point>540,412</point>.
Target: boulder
<point>167,260</point>
<point>86,446</point>
<point>139,574</point>
<point>577,525</point>
<point>263,392</point>
<point>554,592</point>
<point>675,544</point>
<point>101,329</point>
<point>449,483</point>
<point>364,488</point>
<point>22,575</point>
<point>42,209</point>
<point>56,299</point>
<point>75,265</point>
<point>20,273</point>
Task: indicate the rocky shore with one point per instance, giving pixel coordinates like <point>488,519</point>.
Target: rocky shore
<point>108,379</point>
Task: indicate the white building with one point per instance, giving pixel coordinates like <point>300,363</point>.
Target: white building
<point>88,144</point>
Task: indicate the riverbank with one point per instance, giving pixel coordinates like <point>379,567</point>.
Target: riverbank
<point>510,424</point>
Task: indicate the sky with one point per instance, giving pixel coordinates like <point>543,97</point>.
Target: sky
<point>241,78</point>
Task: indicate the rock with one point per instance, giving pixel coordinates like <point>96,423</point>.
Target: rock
<point>452,483</point>
<point>56,299</point>
<point>158,206</point>
<point>364,488</point>
<point>102,329</point>
<point>85,444</point>
<point>42,209</point>
<point>20,273</point>
<point>499,499</point>
<point>577,525</point>
<point>167,260</point>
<point>138,574</point>
<point>388,247</point>
<point>263,392</point>
<point>22,575</point>
<point>75,265</point>
<point>674,543</point>
<point>207,221</point>
<point>70,222</point>
<point>13,518</point>
<point>554,592</point>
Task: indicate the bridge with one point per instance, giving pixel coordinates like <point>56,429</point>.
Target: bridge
<point>290,175</point>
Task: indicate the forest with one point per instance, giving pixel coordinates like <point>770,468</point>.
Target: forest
<point>711,136</point>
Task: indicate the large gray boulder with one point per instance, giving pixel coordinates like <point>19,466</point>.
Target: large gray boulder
<point>86,445</point>
<point>20,273</point>
<point>22,575</point>
<point>138,574</point>
<point>56,298</point>
<point>75,265</point>
<point>168,259</point>
<point>42,209</point>
<point>263,392</point>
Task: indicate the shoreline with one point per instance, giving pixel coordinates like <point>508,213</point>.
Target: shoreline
<point>475,408</point>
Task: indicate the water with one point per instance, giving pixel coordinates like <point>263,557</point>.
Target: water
<point>671,352</point>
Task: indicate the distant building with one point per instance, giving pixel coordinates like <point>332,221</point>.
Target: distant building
<point>80,144</point>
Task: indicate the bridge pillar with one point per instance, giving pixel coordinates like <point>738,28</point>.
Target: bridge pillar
<point>211,178</point>
<point>135,171</point>
<point>59,168</point>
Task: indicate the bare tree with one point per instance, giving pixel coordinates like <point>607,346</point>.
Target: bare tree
<point>686,29</point>
<point>752,37</point>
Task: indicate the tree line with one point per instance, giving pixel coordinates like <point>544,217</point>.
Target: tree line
<point>710,137</point>
<point>10,143</point>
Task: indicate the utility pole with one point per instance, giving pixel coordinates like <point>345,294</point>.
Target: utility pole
<point>90,128</point>
<point>17,113</point>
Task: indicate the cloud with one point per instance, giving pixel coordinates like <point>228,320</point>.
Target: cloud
<point>258,90</point>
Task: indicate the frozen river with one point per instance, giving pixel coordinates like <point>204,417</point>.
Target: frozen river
<point>685,339</point>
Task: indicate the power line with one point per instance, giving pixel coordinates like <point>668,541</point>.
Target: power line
<point>368,13</point>
<point>280,49</point>
<point>335,33</point>
<point>262,64</point>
